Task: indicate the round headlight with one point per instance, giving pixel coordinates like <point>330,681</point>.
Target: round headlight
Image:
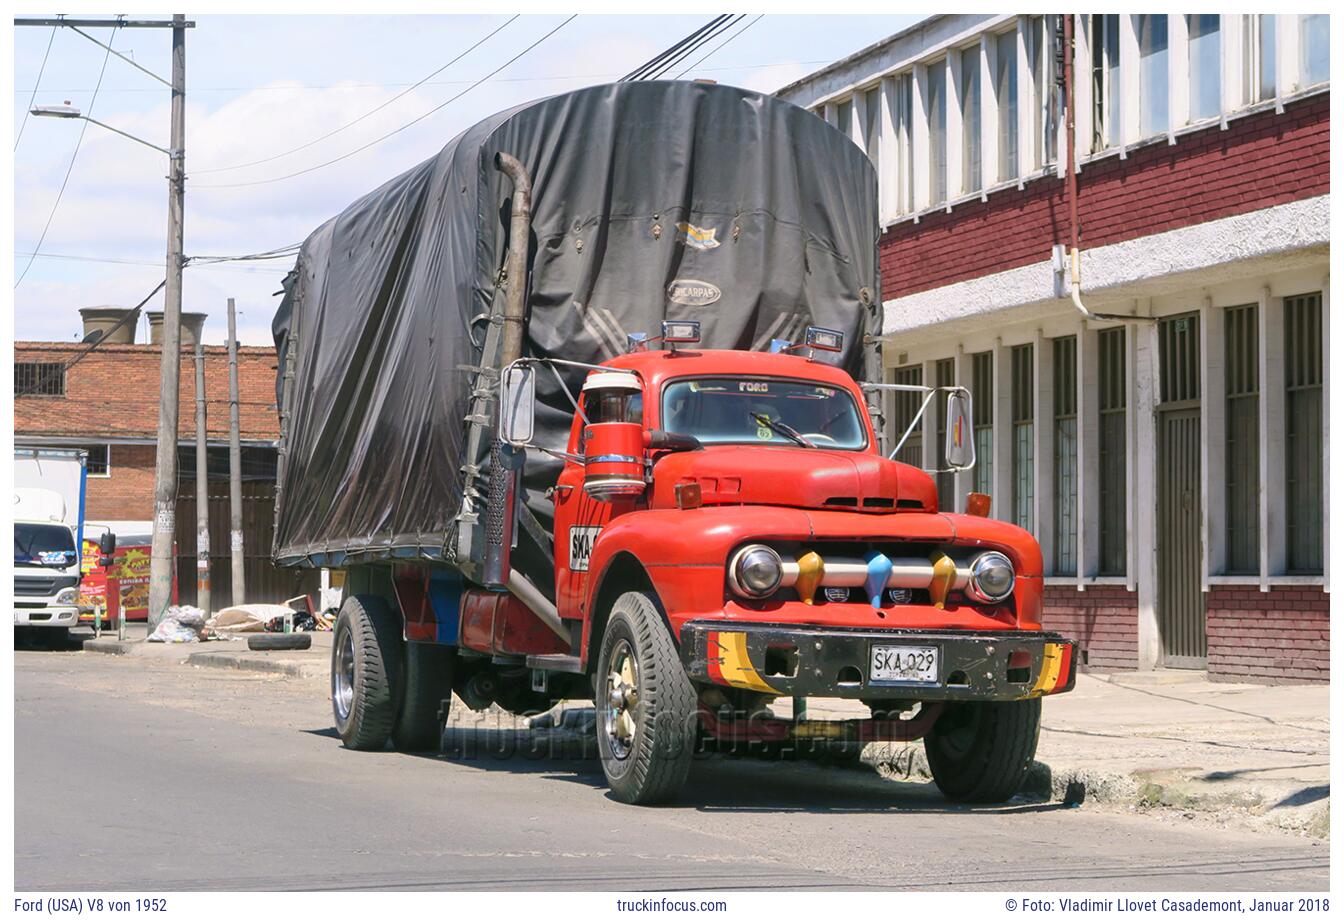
<point>755,571</point>
<point>992,578</point>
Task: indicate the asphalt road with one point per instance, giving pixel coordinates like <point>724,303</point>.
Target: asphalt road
<point>154,776</point>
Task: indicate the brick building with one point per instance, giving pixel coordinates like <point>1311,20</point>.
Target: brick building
<point>1172,466</point>
<point>108,404</point>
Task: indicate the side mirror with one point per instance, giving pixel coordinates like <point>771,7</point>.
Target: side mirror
<point>959,448</point>
<point>517,404</point>
<point>107,543</point>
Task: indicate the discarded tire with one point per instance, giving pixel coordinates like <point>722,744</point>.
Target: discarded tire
<point>273,642</point>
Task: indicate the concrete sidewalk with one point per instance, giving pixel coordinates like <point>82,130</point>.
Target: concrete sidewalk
<point>1168,741</point>
<point>220,653</point>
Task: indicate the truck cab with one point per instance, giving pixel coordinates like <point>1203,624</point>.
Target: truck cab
<point>46,564</point>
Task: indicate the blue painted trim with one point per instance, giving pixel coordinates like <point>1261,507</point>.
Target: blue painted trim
<point>445,599</point>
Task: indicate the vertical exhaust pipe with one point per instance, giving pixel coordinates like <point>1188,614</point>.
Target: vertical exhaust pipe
<point>506,464</point>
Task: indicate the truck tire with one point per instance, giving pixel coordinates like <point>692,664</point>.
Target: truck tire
<point>427,692</point>
<point>646,706</point>
<point>272,642</point>
<point>980,752</point>
<point>365,672</point>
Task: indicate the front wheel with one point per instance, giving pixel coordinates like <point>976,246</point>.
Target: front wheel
<point>645,703</point>
<point>980,752</point>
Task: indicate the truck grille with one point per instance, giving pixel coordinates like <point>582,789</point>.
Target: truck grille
<point>42,585</point>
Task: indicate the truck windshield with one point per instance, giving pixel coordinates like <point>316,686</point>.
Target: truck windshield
<point>755,410</point>
<point>44,544</point>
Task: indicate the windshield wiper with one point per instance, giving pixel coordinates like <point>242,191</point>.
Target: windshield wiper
<point>782,428</point>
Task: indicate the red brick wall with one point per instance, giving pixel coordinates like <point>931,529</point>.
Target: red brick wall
<point>1261,160</point>
<point>1279,636</point>
<point>128,493</point>
<point>114,392</point>
<point>1104,619</point>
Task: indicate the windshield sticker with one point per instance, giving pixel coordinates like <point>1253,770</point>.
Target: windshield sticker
<point>581,540</point>
<point>753,386</point>
<point>691,293</point>
<point>693,237</point>
<point>54,557</point>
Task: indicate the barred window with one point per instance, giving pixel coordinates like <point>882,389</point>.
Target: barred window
<point>1304,378</point>
<point>907,407</point>
<point>1242,362</point>
<point>1066,454</point>
<point>39,378</point>
<point>1024,436</point>
<point>97,464</point>
<point>1111,437</point>
<point>945,375</point>
<point>982,402</point>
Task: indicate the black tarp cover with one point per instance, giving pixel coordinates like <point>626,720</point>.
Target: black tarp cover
<point>636,185</point>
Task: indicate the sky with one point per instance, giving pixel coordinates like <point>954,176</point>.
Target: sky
<point>260,86</point>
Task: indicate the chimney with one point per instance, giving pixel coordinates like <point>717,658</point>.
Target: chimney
<point>192,324</point>
<point>101,319</point>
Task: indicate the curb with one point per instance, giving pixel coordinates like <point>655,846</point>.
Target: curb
<point>260,662</point>
<point>108,648</point>
<point>1141,790</point>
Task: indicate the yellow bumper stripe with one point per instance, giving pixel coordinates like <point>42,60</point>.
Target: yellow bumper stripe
<point>737,669</point>
<point>1051,658</point>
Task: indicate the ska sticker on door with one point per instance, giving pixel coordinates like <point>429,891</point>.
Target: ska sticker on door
<point>581,541</point>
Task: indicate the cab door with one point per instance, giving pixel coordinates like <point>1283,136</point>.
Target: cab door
<point>579,518</point>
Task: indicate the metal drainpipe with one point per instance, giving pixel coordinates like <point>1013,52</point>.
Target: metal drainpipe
<point>1071,187</point>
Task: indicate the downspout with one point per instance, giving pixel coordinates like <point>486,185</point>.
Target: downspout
<point>1071,187</point>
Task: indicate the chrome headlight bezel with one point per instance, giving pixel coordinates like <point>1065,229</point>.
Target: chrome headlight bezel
<point>67,597</point>
<point>739,579</point>
<point>976,590</point>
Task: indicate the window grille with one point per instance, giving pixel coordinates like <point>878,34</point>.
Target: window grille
<point>1066,454</point>
<point>1111,437</point>
<point>39,378</point>
<point>1303,380</point>
<point>1242,454</point>
<point>1024,459</point>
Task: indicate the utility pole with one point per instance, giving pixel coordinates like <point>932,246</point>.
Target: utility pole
<point>161,563</point>
<point>165,466</point>
<point>235,469</point>
<point>202,491</point>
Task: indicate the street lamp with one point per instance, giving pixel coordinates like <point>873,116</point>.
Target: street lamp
<point>69,111</point>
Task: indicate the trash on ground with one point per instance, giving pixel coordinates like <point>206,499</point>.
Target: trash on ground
<point>179,624</point>
<point>245,618</point>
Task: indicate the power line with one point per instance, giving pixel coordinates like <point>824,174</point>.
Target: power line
<point>717,48</point>
<point>416,120</point>
<point>674,59</point>
<point>41,70</point>
<point>371,111</point>
<point>641,72</point>
<point>71,168</point>
<point>314,87</point>
<point>208,266</point>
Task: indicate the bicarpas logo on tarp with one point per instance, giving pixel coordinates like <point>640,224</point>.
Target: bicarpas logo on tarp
<point>694,237</point>
<point>581,540</point>
<point>691,293</point>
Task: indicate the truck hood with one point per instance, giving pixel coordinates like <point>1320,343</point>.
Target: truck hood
<point>794,477</point>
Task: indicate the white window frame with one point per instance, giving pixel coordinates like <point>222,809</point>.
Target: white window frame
<point>107,448</point>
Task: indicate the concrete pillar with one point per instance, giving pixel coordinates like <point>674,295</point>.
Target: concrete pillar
<point>1143,491</point>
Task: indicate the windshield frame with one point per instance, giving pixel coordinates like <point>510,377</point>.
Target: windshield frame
<point>860,409</point>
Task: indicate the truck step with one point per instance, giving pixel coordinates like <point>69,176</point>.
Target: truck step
<point>569,663</point>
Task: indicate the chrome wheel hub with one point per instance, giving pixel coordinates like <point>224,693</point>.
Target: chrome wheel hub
<point>621,695</point>
<point>343,677</point>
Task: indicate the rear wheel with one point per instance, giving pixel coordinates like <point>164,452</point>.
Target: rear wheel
<point>980,752</point>
<point>365,672</point>
<point>426,696</point>
<point>645,703</point>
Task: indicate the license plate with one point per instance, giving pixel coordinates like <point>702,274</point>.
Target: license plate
<point>906,663</point>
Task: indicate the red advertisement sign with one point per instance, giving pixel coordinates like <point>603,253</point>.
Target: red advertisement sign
<point>124,585</point>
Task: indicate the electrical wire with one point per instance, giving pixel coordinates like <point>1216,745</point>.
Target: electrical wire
<point>71,168</point>
<point>674,59</point>
<point>736,35</point>
<point>371,111</point>
<point>41,70</point>
<point>414,121</point>
<point>641,72</point>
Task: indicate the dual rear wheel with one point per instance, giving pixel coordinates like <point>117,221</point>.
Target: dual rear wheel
<point>382,687</point>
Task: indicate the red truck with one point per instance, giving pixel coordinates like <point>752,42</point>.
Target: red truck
<point>712,528</point>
